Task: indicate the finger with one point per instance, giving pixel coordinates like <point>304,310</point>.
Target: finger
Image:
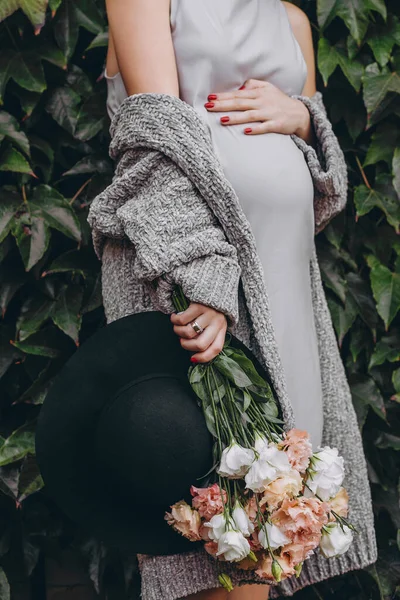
<point>231,104</point>
<point>246,116</point>
<point>187,331</point>
<point>265,127</point>
<point>193,311</point>
<point>253,84</point>
<point>235,94</point>
<point>213,350</point>
<point>201,342</point>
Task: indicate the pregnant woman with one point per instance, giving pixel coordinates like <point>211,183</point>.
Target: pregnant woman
<point>240,65</point>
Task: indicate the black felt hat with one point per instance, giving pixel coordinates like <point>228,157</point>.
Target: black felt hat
<point>121,437</point>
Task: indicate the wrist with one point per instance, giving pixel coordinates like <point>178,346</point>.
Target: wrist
<point>304,121</point>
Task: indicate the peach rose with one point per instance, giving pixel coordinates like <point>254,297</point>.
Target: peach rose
<point>301,519</point>
<point>208,501</point>
<point>185,520</point>
<point>297,553</point>
<point>265,568</point>
<point>298,447</point>
<point>288,486</point>
<point>250,509</point>
<point>339,504</point>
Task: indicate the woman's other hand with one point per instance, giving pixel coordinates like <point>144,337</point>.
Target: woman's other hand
<point>207,344</point>
<point>263,107</point>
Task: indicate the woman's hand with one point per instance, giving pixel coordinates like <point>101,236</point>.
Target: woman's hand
<point>263,106</point>
<point>209,342</point>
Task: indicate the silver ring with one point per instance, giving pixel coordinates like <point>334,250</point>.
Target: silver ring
<point>198,328</point>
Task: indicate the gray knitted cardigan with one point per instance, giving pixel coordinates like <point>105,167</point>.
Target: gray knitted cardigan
<point>170,216</point>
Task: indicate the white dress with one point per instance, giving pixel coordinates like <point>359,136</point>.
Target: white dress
<point>218,45</point>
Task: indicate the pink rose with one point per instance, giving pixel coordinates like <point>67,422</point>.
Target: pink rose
<point>298,448</point>
<point>301,519</point>
<point>339,504</point>
<point>288,486</point>
<point>208,501</point>
<point>185,520</point>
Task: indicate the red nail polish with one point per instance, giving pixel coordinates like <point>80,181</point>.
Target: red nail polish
<point>248,130</point>
<point>193,359</point>
<point>212,96</point>
<point>242,87</point>
<point>224,119</point>
<point>209,105</point>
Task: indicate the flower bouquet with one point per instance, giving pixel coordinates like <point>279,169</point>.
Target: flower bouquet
<point>269,501</point>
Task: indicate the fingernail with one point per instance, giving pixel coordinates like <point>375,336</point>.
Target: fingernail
<point>212,96</point>
<point>209,105</point>
<point>180,312</point>
<point>224,119</point>
<point>242,87</point>
<point>248,130</point>
<point>193,359</point>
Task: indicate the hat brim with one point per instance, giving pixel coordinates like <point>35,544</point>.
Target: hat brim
<point>134,347</point>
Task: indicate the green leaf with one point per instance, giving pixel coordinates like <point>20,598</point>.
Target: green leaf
<point>6,57</point>
<point>52,207</point>
<point>26,70</point>
<point>12,279</point>
<point>8,353</point>
<point>10,203</point>
<point>387,349</point>
<point>365,393</point>
<point>66,311</point>
<point>35,311</point>
<point>100,41</point>
<point>381,196</point>
<point>230,368</point>
<point>386,289</point>
<point>377,84</point>
<point>355,13</point>
<point>90,164</point>
<point>35,10</point>
<point>330,57</point>
<point>52,54</point>
<point>9,128</point>
<point>82,262</point>
<point>13,160</point>
<point>382,146</point>
<point>30,480</point>
<point>343,317</point>
<point>197,379</point>
<point>63,107</point>
<point>382,38</point>
<point>91,117</point>
<point>247,365</point>
<point>45,342</point>
<point>32,236</point>
<point>19,444</point>
<point>5,591</point>
<point>396,171</point>
<point>66,28</point>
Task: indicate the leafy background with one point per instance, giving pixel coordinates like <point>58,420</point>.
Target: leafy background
<point>54,160</point>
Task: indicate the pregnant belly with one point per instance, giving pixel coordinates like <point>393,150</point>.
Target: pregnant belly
<point>273,183</point>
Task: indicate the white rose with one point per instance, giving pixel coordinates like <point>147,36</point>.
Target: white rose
<point>276,537</point>
<point>233,546</point>
<point>217,526</point>
<point>235,461</point>
<point>272,463</point>
<point>260,443</point>
<point>242,521</point>
<point>335,540</point>
<point>327,473</point>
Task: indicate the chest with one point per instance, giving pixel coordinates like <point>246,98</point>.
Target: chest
<point>228,41</point>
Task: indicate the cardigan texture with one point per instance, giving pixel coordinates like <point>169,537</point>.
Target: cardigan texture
<point>170,217</point>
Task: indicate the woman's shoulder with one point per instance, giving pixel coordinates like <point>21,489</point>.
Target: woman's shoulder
<point>298,19</point>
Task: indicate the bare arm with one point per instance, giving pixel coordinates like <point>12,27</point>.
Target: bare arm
<point>140,34</point>
<point>302,30</point>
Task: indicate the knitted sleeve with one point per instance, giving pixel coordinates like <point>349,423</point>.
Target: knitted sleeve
<point>326,163</point>
<point>176,237</point>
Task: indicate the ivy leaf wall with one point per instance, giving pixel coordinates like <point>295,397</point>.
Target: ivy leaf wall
<point>54,160</point>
